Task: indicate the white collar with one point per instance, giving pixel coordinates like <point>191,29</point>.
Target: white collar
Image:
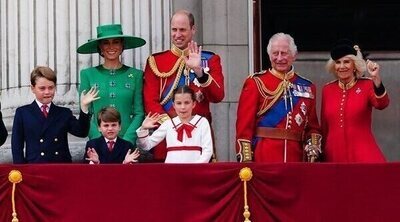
<point>107,140</point>
<point>41,104</point>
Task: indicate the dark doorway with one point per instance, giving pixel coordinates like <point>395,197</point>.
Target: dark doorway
<point>316,25</point>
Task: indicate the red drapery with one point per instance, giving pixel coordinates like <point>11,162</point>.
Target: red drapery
<point>202,192</point>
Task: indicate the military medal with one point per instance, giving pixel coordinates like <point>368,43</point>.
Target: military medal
<point>199,96</point>
<point>298,119</point>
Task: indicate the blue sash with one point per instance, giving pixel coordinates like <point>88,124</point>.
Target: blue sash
<point>205,56</point>
<point>168,105</point>
<point>278,111</point>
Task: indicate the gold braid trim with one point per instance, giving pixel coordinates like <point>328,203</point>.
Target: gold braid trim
<point>175,84</point>
<point>164,117</point>
<point>209,81</point>
<point>267,94</point>
<point>152,62</point>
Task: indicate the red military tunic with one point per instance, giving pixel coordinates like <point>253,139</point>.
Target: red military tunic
<point>346,121</point>
<point>166,71</point>
<point>262,105</point>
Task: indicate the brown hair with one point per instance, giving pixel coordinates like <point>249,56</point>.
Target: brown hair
<point>188,14</point>
<point>43,72</point>
<point>108,114</point>
<point>184,89</point>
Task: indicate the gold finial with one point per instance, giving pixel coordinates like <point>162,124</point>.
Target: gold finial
<point>15,176</point>
<point>245,175</point>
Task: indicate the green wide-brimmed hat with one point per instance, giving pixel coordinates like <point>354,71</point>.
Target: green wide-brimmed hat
<point>110,32</point>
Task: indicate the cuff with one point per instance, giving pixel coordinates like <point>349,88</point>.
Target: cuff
<point>141,133</point>
<point>379,91</point>
<point>206,79</point>
<point>245,153</point>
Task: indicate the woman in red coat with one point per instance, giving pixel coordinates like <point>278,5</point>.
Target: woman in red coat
<point>347,106</point>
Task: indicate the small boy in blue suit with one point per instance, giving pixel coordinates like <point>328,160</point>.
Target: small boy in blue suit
<point>42,127</point>
<point>110,148</point>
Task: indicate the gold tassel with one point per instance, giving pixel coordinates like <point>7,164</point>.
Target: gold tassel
<point>245,175</point>
<point>14,177</point>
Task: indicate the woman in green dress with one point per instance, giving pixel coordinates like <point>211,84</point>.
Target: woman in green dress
<point>119,86</point>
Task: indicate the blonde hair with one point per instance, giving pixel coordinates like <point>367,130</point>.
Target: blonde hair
<point>359,64</point>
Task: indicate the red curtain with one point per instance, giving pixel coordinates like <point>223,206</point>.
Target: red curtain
<point>202,192</point>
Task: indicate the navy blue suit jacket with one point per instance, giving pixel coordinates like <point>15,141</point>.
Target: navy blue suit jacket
<point>45,139</point>
<point>118,153</point>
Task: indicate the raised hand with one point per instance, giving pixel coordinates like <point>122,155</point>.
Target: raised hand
<point>373,70</point>
<point>194,60</point>
<point>92,155</point>
<point>131,157</point>
<point>87,98</point>
<point>150,121</point>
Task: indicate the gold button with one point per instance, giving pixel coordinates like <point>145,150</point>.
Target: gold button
<point>42,154</point>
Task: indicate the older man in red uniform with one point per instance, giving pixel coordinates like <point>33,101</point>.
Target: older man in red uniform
<point>184,63</point>
<point>276,113</point>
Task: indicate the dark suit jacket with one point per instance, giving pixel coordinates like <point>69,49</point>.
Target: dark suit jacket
<point>3,131</point>
<point>45,139</point>
<point>118,153</point>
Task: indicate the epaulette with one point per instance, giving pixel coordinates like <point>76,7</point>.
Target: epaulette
<point>206,55</point>
<point>304,78</point>
<point>251,75</point>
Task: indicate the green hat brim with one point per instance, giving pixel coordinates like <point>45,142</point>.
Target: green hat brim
<point>92,46</point>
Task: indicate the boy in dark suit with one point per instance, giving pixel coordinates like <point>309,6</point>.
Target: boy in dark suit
<point>110,148</point>
<point>42,127</point>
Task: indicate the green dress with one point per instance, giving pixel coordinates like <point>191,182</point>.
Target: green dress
<point>122,89</point>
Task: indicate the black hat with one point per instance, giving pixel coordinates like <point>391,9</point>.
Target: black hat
<point>342,48</point>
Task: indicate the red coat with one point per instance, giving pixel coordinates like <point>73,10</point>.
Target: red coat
<point>261,105</point>
<point>165,71</point>
<point>346,121</point>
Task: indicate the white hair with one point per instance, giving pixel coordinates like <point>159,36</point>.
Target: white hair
<point>281,35</point>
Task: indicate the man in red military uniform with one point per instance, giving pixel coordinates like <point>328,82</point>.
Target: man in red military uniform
<point>184,63</point>
<point>276,113</point>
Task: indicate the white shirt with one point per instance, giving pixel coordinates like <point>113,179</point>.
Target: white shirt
<point>41,104</point>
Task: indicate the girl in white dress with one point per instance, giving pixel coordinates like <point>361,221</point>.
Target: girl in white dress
<point>188,136</point>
